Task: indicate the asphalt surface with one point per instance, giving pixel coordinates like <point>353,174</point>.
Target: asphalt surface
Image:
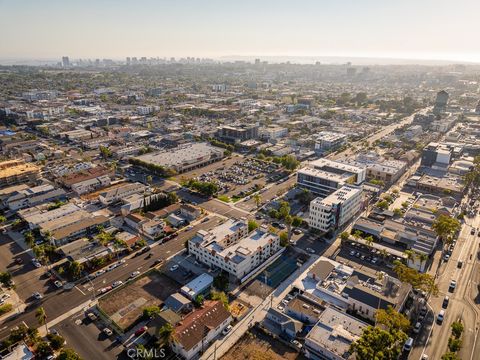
<point>462,304</point>
<point>58,302</point>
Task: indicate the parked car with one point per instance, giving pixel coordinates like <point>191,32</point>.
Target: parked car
<point>408,345</point>
<point>117,283</point>
<point>352,252</point>
<point>310,250</point>
<point>58,284</point>
<point>37,295</point>
<point>174,267</point>
<point>92,316</point>
<point>227,330</point>
<point>134,274</point>
<point>417,327</point>
<point>107,332</point>
<point>141,330</point>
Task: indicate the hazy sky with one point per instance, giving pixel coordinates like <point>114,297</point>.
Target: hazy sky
<point>425,29</point>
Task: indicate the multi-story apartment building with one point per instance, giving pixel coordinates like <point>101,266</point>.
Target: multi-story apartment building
<point>33,196</point>
<point>336,209</point>
<point>110,196</point>
<point>328,140</point>
<point>229,247</point>
<point>17,171</point>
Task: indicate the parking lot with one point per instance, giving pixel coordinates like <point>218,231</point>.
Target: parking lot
<point>238,176</point>
<point>125,305</point>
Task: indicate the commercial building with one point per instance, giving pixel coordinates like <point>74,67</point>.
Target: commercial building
<point>17,171</point>
<point>34,196</point>
<point>323,176</point>
<point>229,247</point>
<point>90,185</point>
<point>436,153</point>
<point>198,286</point>
<point>199,328</point>
<point>328,140</point>
<point>237,133</point>
<point>332,336</point>
<point>36,216</point>
<point>349,289</point>
<point>118,193</point>
<point>441,102</point>
<point>183,158</point>
<point>336,209</point>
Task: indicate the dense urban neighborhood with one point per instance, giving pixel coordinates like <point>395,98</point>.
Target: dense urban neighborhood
<point>190,208</point>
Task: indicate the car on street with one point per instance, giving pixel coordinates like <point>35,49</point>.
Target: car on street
<point>36,263</point>
<point>134,274</point>
<point>452,286</point>
<point>440,317</point>
<point>92,316</point>
<point>445,302</point>
<point>37,295</point>
<point>117,283</point>
<point>174,267</point>
<point>446,257</point>
<point>105,289</point>
<point>472,232</point>
<point>227,330</point>
<point>141,330</point>
<point>107,332</point>
<point>459,264</point>
<point>58,284</point>
<point>296,343</point>
<point>280,307</point>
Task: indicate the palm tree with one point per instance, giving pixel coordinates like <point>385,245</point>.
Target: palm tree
<point>369,240</point>
<point>166,333</point>
<point>383,253</point>
<point>357,234</point>
<point>288,221</point>
<point>258,199</point>
<point>410,254</point>
<point>42,317</point>
<point>423,258</point>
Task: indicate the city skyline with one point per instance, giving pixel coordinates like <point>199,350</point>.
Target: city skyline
<point>432,30</point>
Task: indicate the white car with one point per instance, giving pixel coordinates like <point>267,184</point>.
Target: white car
<point>174,267</point>
<point>310,250</point>
<point>37,295</point>
<point>58,284</point>
<point>134,274</point>
<point>227,330</point>
<point>92,316</point>
<point>107,332</point>
<point>417,327</point>
<point>117,283</point>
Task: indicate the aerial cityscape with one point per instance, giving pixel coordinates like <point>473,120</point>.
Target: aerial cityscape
<point>235,197</point>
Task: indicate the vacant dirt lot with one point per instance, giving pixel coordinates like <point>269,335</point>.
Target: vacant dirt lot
<point>125,305</point>
<point>257,346</point>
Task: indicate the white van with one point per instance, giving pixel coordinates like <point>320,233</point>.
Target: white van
<point>408,345</point>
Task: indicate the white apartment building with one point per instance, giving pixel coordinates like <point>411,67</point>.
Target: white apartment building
<point>336,209</point>
<point>34,217</point>
<point>328,140</point>
<point>230,247</point>
<point>33,196</point>
<point>90,185</point>
<point>118,193</point>
<point>272,132</point>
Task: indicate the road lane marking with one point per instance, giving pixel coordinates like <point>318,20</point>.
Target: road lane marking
<point>76,287</point>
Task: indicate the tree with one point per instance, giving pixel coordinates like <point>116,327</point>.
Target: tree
<point>378,344</point>
<point>446,227</point>
<point>410,254</point>
<point>2,219</point>
<point>166,333</point>
<point>357,234</point>
<point>68,354</point>
<point>56,341</point>
<point>423,258</point>
<point>344,236</point>
<point>75,269</point>
<point>149,179</point>
<point>369,240</point>
<point>150,311</point>
<point>221,281</point>
<point>383,205</point>
<point>6,279</point>
<point>454,344</point>
<point>252,225</point>
<point>288,221</point>
<point>42,317</point>
<point>258,199</point>
<point>105,152</point>
<point>43,350</point>
<point>392,319</point>
<point>457,329</point>
<point>221,296</point>
<point>198,301</point>
<point>29,238</point>
<point>398,212</point>
<point>424,282</point>
<point>450,356</point>
<point>283,239</point>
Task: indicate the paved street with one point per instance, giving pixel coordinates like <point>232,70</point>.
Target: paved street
<point>59,302</point>
<point>461,305</point>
